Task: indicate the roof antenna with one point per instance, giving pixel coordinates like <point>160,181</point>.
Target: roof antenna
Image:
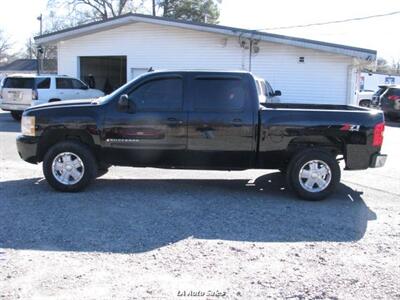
<point>150,69</point>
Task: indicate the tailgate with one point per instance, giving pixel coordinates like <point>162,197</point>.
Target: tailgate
<point>17,96</point>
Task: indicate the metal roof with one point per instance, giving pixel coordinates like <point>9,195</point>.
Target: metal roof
<point>29,65</point>
<point>20,65</point>
<point>73,32</point>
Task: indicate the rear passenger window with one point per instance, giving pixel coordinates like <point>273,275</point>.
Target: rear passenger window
<point>18,83</point>
<point>161,94</point>
<point>43,83</point>
<point>64,83</point>
<point>219,94</point>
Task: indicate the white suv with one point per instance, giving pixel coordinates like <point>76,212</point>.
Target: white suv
<point>18,92</point>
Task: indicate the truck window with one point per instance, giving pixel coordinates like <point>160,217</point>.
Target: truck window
<point>64,83</point>
<point>219,94</point>
<point>162,94</point>
<point>43,83</point>
<point>18,83</point>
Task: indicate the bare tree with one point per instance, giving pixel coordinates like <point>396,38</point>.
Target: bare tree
<point>396,67</point>
<point>5,46</point>
<point>31,51</point>
<point>98,9</point>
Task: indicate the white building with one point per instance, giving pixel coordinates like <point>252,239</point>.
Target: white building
<point>371,81</point>
<point>118,49</point>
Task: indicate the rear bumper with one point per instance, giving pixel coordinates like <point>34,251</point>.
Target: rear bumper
<point>27,148</point>
<point>13,107</point>
<point>378,160</point>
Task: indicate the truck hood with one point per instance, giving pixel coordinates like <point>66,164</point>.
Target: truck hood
<point>69,103</point>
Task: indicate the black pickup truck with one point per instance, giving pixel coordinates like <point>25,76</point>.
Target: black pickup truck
<point>200,120</point>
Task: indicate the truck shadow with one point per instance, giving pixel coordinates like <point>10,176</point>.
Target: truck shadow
<point>131,216</point>
<point>8,124</point>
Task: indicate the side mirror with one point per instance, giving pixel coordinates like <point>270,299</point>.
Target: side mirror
<point>278,93</point>
<point>84,87</point>
<point>126,105</point>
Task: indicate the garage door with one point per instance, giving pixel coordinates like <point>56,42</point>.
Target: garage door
<point>106,73</point>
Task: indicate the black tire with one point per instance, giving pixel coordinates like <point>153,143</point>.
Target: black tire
<point>301,159</point>
<point>365,103</point>
<point>16,115</point>
<point>81,151</point>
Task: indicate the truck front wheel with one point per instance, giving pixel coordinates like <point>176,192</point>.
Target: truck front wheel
<point>313,174</point>
<point>69,166</point>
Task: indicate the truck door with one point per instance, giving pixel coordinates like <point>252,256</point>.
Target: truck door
<point>155,133</point>
<point>221,125</point>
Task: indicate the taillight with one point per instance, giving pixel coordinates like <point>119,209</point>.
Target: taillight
<point>34,95</point>
<point>378,134</point>
<point>393,98</point>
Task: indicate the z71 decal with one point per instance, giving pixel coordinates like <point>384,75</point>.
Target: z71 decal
<point>350,127</point>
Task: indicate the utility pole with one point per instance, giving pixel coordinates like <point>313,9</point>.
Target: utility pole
<point>40,19</point>
<point>154,8</point>
<point>250,52</point>
<point>39,49</point>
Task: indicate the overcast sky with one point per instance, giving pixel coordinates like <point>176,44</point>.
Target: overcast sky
<point>18,20</point>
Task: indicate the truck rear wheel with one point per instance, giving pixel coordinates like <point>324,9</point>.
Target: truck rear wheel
<point>69,166</point>
<point>16,115</point>
<point>313,174</point>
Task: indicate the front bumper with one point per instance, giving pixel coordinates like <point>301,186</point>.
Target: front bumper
<point>378,160</point>
<point>27,148</point>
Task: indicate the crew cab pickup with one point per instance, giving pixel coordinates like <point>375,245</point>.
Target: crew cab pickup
<point>200,120</point>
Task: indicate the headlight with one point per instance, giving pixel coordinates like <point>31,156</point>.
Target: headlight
<point>28,125</point>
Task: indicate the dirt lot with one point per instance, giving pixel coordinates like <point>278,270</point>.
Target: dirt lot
<point>160,234</point>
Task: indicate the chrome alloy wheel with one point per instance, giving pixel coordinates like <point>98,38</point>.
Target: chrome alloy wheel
<point>67,168</point>
<point>315,176</point>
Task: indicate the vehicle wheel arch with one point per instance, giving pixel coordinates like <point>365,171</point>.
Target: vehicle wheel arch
<point>333,145</point>
<point>53,136</point>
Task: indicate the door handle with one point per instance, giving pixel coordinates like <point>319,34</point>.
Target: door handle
<point>237,122</point>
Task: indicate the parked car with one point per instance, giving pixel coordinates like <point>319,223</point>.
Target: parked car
<point>200,120</point>
<point>377,96</point>
<point>390,102</point>
<point>19,92</point>
<point>364,98</point>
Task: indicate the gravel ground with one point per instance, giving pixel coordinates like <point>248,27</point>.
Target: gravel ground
<point>166,234</point>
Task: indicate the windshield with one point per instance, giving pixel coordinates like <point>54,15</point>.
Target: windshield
<point>121,89</point>
<point>380,91</point>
